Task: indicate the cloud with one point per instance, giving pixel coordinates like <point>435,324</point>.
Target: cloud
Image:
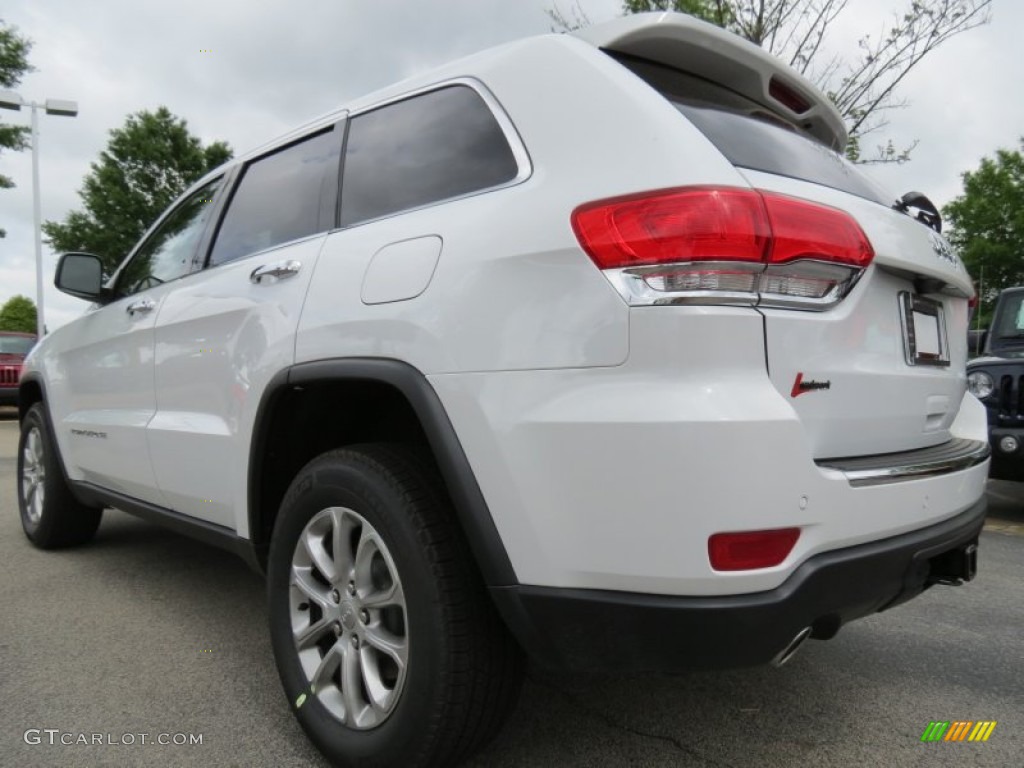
<point>274,64</point>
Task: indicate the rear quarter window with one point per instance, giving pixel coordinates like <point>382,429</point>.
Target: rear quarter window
<point>431,147</point>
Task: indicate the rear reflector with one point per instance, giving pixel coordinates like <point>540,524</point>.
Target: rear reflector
<point>685,241</point>
<point>750,550</point>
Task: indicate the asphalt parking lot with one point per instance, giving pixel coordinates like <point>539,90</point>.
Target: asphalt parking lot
<point>148,632</point>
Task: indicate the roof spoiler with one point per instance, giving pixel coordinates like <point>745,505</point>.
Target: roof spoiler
<point>696,47</point>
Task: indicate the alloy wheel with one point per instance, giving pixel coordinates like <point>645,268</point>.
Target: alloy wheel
<point>348,618</point>
<point>33,475</point>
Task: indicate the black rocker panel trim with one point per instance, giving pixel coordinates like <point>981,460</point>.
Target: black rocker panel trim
<point>201,530</point>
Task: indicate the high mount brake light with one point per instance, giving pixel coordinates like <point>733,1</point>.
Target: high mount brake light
<point>750,550</point>
<point>724,245</point>
<point>787,96</point>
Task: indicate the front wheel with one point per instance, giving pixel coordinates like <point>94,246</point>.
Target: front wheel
<point>386,642</point>
<point>50,514</point>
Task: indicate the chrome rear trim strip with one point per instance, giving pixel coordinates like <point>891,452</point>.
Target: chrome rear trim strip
<point>954,456</point>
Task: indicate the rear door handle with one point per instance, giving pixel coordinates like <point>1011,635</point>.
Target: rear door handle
<point>279,271</point>
<point>142,305</point>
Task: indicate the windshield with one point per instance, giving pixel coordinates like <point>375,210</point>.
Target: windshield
<point>1010,322</point>
<point>16,345</point>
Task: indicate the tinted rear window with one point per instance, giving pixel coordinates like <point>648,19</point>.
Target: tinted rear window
<point>752,137</point>
<point>431,147</point>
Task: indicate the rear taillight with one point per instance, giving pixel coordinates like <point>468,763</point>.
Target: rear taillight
<point>750,550</point>
<point>724,245</point>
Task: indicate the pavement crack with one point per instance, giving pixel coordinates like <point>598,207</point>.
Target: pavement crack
<point>625,727</point>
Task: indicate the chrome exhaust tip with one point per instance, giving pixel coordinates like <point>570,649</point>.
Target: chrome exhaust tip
<point>790,650</point>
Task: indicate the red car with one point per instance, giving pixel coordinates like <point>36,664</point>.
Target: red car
<point>14,347</point>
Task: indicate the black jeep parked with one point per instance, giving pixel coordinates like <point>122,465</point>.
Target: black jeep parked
<point>997,379</point>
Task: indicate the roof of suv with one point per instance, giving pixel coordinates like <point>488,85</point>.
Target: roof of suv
<point>673,39</point>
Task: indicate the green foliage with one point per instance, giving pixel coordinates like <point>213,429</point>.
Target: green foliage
<point>987,221</point>
<point>147,164</point>
<point>14,64</point>
<point>18,314</point>
<point>718,12</point>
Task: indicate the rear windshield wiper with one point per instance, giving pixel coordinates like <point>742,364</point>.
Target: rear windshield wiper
<point>927,213</point>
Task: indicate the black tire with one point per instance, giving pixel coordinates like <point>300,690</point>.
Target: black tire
<point>464,670</point>
<point>60,520</point>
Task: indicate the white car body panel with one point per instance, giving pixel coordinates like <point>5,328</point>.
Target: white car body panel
<point>484,308</point>
<point>99,374</point>
<point>877,403</point>
<point>219,340</point>
<point>614,478</point>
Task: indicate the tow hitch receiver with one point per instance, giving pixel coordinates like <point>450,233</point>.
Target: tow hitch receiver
<point>956,566</point>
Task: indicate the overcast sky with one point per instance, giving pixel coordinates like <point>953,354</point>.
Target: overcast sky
<point>275,63</point>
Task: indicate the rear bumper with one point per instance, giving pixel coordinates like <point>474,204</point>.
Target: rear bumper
<point>576,628</point>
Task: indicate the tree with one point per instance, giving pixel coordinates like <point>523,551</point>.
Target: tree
<point>18,314</point>
<point>148,163</point>
<point>14,64</point>
<point>864,87</point>
<point>987,221</point>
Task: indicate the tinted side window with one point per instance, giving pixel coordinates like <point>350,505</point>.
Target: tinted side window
<point>167,254</point>
<point>431,147</point>
<point>279,198</point>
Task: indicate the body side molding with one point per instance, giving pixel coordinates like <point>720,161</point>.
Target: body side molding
<point>201,530</point>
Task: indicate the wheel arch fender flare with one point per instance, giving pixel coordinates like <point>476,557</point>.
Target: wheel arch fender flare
<point>32,382</point>
<point>470,507</point>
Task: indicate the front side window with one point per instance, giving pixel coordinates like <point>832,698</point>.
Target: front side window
<point>422,150</point>
<point>167,254</point>
<point>279,198</point>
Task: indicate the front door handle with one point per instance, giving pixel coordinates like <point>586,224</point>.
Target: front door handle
<point>142,305</point>
<point>279,271</point>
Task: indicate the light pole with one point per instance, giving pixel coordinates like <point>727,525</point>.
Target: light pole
<point>11,100</point>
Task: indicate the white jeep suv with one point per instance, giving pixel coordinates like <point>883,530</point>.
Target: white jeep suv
<point>591,346</point>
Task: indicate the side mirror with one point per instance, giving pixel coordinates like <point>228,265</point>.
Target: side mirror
<point>80,275</point>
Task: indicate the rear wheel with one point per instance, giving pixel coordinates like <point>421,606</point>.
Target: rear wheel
<point>386,642</point>
<point>50,514</point>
